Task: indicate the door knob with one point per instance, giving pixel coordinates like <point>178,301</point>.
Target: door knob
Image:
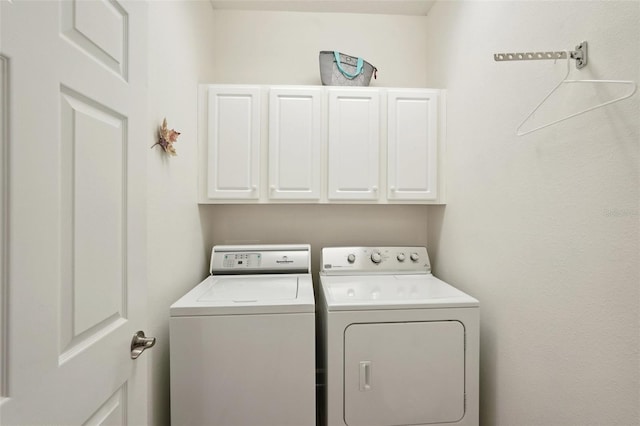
<point>139,343</point>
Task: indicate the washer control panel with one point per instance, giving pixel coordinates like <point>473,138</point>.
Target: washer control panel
<point>374,260</point>
<point>241,260</point>
<point>261,259</point>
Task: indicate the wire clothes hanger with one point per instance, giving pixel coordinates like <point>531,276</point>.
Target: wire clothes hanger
<point>632,84</point>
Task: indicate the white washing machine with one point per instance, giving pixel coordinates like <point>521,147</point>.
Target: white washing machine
<point>398,346</point>
<point>243,341</point>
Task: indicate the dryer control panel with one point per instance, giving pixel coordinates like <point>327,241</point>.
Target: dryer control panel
<point>374,260</point>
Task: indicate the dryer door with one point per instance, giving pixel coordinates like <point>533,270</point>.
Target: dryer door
<point>408,373</point>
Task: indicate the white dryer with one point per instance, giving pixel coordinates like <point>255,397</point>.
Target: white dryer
<point>242,342</point>
<point>398,346</point>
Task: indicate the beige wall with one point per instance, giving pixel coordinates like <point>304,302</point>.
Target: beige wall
<point>282,48</point>
<point>190,44</point>
<point>543,229</point>
<point>321,225</point>
<point>179,58</point>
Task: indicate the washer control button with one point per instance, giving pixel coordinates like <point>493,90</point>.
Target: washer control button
<point>414,257</point>
<point>376,257</point>
<point>351,258</point>
<point>401,257</point>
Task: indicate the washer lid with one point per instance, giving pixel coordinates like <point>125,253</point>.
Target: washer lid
<point>242,289</point>
<point>372,292</point>
<point>247,294</point>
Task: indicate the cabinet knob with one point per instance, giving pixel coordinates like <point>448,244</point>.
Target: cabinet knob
<point>392,188</point>
<point>374,188</point>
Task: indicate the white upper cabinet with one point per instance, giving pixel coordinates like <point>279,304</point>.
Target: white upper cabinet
<point>295,138</point>
<point>320,144</point>
<point>233,143</point>
<point>412,135</point>
<point>354,140</point>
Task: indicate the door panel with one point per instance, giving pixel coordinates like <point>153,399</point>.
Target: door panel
<point>354,139</point>
<point>412,140</point>
<point>76,207</point>
<point>4,171</point>
<point>100,29</point>
<point>294,143</point>
<point>112,412</point>
<point>234,143</point>
<point>404,373</point>
<point>93,201</point>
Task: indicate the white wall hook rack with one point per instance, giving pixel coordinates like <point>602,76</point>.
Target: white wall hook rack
<point>581,58</point>
<point>580,55</point>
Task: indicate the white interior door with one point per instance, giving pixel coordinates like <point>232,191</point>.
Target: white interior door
<point>74,271</point>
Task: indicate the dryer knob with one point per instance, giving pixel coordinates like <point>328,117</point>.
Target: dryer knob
<point>376,257</point>
<point>401,257</point>
<point>414,257</point>
<point>351,258</point>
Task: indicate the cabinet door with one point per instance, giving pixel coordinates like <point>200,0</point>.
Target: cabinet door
<point>294,143</point>
<point>233,143</point>
<point>353,144</point>
<point>412,145</point>
<point>406,373</point>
